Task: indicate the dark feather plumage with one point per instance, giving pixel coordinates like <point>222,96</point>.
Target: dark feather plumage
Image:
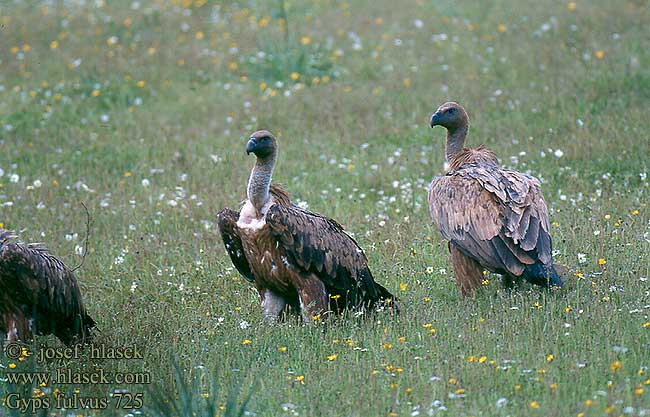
<point>227,222</point>
<point>39,295</point>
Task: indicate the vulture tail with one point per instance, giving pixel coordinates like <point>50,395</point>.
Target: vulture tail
<point>386,298</point>
<point>542,275</point>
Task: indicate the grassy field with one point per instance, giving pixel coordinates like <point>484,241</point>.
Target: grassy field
<point>141,110</point>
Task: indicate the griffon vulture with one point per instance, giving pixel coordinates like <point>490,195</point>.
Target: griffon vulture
<point>292,256</point>
<point>39,295</point>
<point>493,218</point>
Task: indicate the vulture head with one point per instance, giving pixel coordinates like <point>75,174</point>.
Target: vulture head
<point>450,115</point>
<point>261,143</point>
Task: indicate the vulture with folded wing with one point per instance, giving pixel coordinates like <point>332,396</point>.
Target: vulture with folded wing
<point>39,295</point>
<point>293,257</point>
<point>493,218</point>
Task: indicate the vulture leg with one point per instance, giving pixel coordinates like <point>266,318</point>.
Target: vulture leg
<point>468,272</point>
<point>313,298</point>
<point>18,329</point>
<point>272,305</point>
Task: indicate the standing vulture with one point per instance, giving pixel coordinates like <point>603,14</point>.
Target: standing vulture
<point>493,218</point>
<point>39,295</point>
<point>294,257</point>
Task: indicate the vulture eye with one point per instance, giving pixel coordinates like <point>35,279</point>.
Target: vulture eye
<point>265,139</point>
<point>451,111</point>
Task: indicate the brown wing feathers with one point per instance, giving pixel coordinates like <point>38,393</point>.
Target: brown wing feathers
<point>497,217</point>
<point>46,289</point>
<point>321,246</point>
<point>227,222</point>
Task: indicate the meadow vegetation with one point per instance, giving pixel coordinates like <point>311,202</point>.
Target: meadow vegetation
<point>141,109</point>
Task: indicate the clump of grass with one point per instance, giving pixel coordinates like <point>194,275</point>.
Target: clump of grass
<point>197,396</point>
<point>292,60</point>
<point>292,63</point>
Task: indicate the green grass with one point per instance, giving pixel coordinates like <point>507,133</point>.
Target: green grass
<point>355,144</point>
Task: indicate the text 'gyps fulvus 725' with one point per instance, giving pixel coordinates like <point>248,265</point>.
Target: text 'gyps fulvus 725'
<point>493,218</point>
<point>294,257</point>
<point>39,295</point>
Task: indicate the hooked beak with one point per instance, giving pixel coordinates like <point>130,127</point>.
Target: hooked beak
<point>435,119</point>
<point>251,145</point>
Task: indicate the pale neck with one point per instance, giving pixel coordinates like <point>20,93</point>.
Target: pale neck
<point>455,141</point>
<point>259,182</point>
